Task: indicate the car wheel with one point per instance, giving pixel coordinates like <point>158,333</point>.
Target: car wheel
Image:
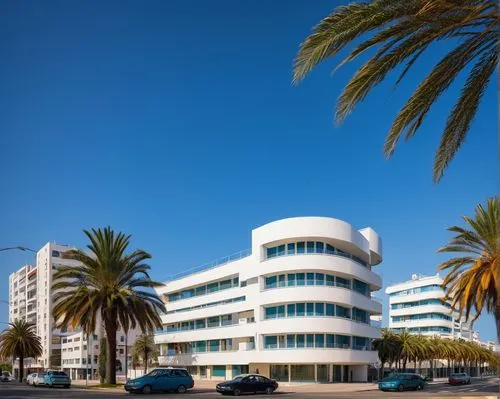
<point>420,387</point>
<point>66,386</point>
<point>401,388</point>
<point>236,392</point>
<point>181,389</point>
<point>147,389</point>
<point>269,390</point>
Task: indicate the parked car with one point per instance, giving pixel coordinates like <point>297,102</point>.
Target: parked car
<point>247,383</point>
<point>29,378</point>
<point>56,379</point>
<point>401,382</point>
<point>160,380</point>
<point>6,377</point>
<point>459,378</point>
<point>39,379</point>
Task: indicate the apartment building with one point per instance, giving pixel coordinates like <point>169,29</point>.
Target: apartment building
<point>296,307</point>
<point>22,294</point>
<point>419,307</point>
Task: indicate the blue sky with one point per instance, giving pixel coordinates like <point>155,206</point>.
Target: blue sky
<point>177,122</point>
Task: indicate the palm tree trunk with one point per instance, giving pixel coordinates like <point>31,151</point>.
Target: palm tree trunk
<point>21,367</point>
<point>145,362</point>
<point>111,327</point>
<point>497,317</point>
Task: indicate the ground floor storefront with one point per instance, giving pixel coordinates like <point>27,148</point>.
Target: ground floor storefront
<point>286,373</point>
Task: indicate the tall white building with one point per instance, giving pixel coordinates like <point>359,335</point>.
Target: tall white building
<point>22,294</point>
<point>418,306</point>
<point>296,307</point>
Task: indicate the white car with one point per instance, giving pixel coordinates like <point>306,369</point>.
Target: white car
<point>39,379</point>
<point>29,378</point>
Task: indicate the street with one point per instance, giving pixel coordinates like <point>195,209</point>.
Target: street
<point>483,388</point>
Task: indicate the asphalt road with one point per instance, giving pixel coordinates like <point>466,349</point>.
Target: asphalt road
<point>489,387</point>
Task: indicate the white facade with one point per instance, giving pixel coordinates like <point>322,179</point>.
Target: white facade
<point>297,307</point>
<point>22,294</point>
<point>418,306</point>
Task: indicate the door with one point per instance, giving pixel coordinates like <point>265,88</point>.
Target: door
<point>248,384</point>
<point>162,381</point>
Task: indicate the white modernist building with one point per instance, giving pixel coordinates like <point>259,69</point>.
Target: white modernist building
<point>22,294</point>
<point>297,307</point>
<point>418,306</point>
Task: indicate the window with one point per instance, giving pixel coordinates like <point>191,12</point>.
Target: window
<point>301,308</point>
<point>310,309</point>
<point>342,341</point>
<point>271,282</point>
<point>310,340</point>
<point>319,341</point>
<point>236,282</point>
<point>342,282</point>
<point>224,285</point>
<point>200,323</point>
<point>330,280</point>
<point>290,341</point>
<point>330,249</point>
<point>226,320</point>
<point>187,294</point>
<point>122,338</point>
<point>219,371</point>
<point>270,312</point>
<point>320,279</point>
<point>214,345</point>
<point>342,311</point>
<point>201,346</point>
<point>213,321</point>
<point>212,287</point>
<point>300,277</point>
<point>291,280</point>
<point>301,247</point>
<point>300,340</point>
<point>310,247</point>
<point>281,311</point>
<point>330,341</point>
<point>320,247</point>
<point>310,278</point>
<point>360,287</point>
<point>272,252</point>
<point>290,310</point>
<point>271,342</point>
<point>281,250</point>
<point>291,248</point>
<point>281,280</point>
<point>121,351</point>
<point>201,290</point>
<point>320,309</point>
<point>330,309</point>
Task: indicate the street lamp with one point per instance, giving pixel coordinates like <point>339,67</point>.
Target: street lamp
<point>19,248</point>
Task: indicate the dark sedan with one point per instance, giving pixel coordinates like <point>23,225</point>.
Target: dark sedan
<point>247,383</point>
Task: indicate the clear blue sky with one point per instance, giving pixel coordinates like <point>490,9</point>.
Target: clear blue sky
<point>177,122</point>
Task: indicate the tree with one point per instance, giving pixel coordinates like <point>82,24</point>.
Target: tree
<point>20,341</point>
<point>387,347</point>
<point>400,32</point>
<point>107,284</point>
<point>473,280</point>
<point>102,359</point>
<point>144,348</point>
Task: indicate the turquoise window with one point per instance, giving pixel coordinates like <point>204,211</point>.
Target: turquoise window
<point>281,280</point>
<point>281,250</point>
<point>330,309</point>
<point>330,341</point>
<point>310,340</point>
<point>214,345</point>
<point>271,282</point>
<point>319,340</point>
<point>290,341</point>
<point>272,252</point>
<point>200,323</point>
<point>300,338</point>
<point>290,310</point>
<point>301,309</point>
<point>301,247</point>
<point>310,309</point>
<point>271,342</point>
<point>310,247</point>
<point>300,277</point>
<point>342,282</point>
<point>320,279</point>
<point>281,311</point>
<point>330,249</point>
<point>224,285</point>
<point>342,341</point>
<point>213,321</point>
<point>270,312</point>
<point>291,248</point>
<point>310,278</point>
<point>320,309</point>
<point>342,311</point>
<point>201,290</point>
<point>291,280</point>
<point>219,371</point>
<point>201,346</point>
<point>320,247</point>
<point>330,280</point>
<point>213,287</point>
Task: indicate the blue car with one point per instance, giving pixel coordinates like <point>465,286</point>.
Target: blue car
<point>56,379</point>
<point>160,380</point>
<point>402,382</point>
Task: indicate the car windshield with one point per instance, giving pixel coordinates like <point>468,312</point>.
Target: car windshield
<point>155,373</point>
<point>458,375</point>
<point>238,378</point>
<point>5,373</point>
<point>58,373</point>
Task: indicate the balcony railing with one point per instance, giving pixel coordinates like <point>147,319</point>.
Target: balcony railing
<point>211,265</point>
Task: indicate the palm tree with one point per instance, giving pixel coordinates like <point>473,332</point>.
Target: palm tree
<point>473,280</point>
<point>107,284</point>
<point>401,31</point>
<point>20,341</point>
<point>387,347</point>
<point>144,348</point>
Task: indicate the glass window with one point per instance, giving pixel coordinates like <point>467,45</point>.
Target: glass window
<point>342,253</point>
<point>201,290</point>
<point>281,311</point>
<point>236,282</point>
<point>290,341</point>
<point>213,321</point>
<point>201,346</point>
<point>187,294</point>
<point>320,309</point>
<point>342,311</point>
<point>281,280</point>
<point>342,341</point>
<point>330,280</point>
<point>330,341</point>
<point>300,340</point>
<point>310,278</point>
<point>271,282</point>
<point>300,277</point>
<point>290,311</point>
<point>270,312</point>
<point>302,372</point>
<point>224,285</point>
<point>281,250</point>
<point>281,341</point>
<point>310,340</point>
<point>200,323</point>
<point>214,345</point>
<point>291,280</point>
<point>360,287</point>
<point>320,247</point>
<point>219,371</point>
<point>212,287</point>
<point>342,282</point>
<point>226,320</point>
<point>330,309</point>
<point>310,247</point>
<point>291,248</point>
<point>330,249</point>
<point>272,252</point>
<point>270,342</point>
<point>301,309</point>
<point>319,341</point>
<point>310,309</point>
<point>320,279</point>
<point>301,247</point>
<point>226,344</point>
